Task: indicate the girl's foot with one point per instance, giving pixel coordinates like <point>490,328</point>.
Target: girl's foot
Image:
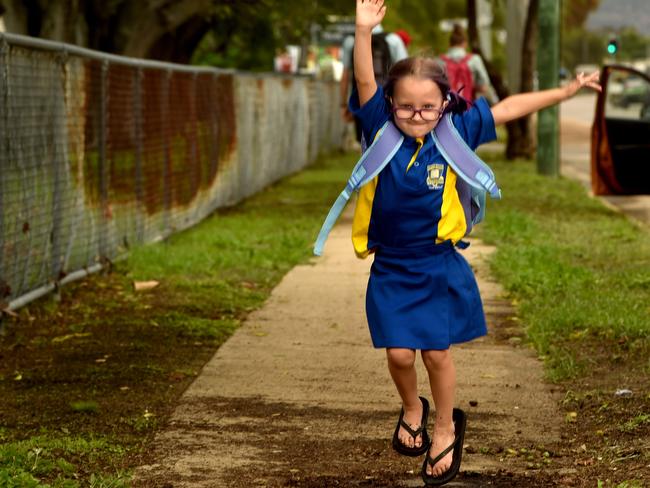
<point>413,417</point>
<point>443,437</point>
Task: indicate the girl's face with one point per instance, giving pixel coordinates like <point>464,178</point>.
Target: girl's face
<point>417,105</point>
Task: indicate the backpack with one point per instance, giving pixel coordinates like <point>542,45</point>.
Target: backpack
<point>460,75</point>
<point>475,178</point>
<point>381,59</point>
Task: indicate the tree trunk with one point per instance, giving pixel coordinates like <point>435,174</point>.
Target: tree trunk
<point>520,139</point>
<point>521,144</point>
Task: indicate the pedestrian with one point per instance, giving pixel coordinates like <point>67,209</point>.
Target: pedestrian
<point>422,294</point>
<point>466,72</point>
<point>387,49</point>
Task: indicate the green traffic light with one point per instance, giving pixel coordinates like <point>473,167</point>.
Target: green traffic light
<point>612,46</point>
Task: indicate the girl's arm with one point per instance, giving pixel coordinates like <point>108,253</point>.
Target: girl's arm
<point>516,106</point>
<point>369,14</point>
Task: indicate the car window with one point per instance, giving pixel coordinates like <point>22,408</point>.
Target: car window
<point>628,96</point>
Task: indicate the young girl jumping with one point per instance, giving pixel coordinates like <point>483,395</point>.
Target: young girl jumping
<point>421,292</point>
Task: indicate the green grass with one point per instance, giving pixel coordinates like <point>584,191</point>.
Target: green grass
<point>214,273</point>
<point>576,269</point>
<point>61,459</point>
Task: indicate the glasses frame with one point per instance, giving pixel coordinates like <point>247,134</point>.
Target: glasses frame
<point>438,111</point>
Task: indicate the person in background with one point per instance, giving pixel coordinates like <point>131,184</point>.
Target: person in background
<point>387,49</point>
<point>465,70</point>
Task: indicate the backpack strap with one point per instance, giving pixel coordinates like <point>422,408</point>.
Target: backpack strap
<point>475,173</point>
<point>374,159</point>
<point>462,159</point>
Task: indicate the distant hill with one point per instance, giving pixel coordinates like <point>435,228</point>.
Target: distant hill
<point>621,13</point>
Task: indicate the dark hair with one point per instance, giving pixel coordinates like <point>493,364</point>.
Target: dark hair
<point>457,36</point>
<point>426,69</point>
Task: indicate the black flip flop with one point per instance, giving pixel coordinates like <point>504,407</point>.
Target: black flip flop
<point>426,442</point>
<point>460,422</point>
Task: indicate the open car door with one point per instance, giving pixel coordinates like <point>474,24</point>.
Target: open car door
<point>620,135</point>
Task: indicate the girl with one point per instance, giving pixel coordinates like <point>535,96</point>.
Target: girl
<point>421,292</point>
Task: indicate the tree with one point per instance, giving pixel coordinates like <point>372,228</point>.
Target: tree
<point>246,35</point>
<point>520,139</point>
<point>160,29</point>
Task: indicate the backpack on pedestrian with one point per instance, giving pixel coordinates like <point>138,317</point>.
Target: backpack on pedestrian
<point>460,76</point>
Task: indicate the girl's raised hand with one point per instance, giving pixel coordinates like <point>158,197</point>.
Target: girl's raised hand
<point>370,13</point>
<point>582,80</point>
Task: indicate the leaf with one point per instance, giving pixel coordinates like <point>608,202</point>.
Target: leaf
<point>67,337</point>
<point>145,285</point>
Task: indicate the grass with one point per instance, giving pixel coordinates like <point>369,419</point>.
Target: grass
<point>58,458</point>
<point>576,270</point>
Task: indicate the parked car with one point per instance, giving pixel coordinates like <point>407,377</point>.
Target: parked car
<point>620,137</point>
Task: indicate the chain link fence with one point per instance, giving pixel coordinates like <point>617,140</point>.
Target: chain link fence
<point>100,152</point>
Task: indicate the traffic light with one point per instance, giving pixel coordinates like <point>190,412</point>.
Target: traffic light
<point>612,46</point>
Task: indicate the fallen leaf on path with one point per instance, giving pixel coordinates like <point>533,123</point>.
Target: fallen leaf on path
<point>76,335</point>
<point>145,285</point>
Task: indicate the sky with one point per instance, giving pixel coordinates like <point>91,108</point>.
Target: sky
<point>621,13</point>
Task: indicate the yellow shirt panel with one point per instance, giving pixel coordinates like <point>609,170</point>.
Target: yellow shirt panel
<point>361,220</point>
<point>452,225</point>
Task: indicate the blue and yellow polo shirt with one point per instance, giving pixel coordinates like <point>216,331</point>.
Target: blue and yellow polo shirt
<point>413,202</point>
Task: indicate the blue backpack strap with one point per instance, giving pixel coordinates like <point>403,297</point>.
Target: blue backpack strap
<point>374,159</point>
<point>462,159</point>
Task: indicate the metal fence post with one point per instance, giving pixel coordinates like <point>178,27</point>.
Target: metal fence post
<point>167,173</point>
<point>103,170</point>
<point>139,176</point>
<point>4,149</point>
<point>194,136</point>
<point>214,127</point>
<point>58,167</point>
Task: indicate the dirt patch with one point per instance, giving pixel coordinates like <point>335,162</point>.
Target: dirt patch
<point>87,366</point>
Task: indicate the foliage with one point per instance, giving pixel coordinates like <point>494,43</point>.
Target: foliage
<point>580,46</point>
<point>575,12</point>
<point>57,459</point>
<point>246,35</point>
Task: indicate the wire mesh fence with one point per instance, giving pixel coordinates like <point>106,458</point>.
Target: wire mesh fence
<point>100,152</point>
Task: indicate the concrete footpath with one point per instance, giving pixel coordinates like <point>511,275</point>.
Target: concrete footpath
<point>298,396</point>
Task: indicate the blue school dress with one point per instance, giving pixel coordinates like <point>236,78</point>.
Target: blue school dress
<point>422,293</point>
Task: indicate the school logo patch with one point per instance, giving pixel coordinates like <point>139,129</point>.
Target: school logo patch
<point>435,178</point>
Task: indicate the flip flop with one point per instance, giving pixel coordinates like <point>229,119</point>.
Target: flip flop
<point>426,442</point>
<point>460,422</point>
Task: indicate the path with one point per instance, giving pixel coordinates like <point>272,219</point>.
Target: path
<point>298,397</point>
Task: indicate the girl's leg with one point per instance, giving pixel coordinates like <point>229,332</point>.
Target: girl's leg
<point>401,364</point>
<point>442,377</point>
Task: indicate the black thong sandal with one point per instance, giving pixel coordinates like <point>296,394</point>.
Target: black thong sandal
<point>414,433</point>
<point>460,422</point>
